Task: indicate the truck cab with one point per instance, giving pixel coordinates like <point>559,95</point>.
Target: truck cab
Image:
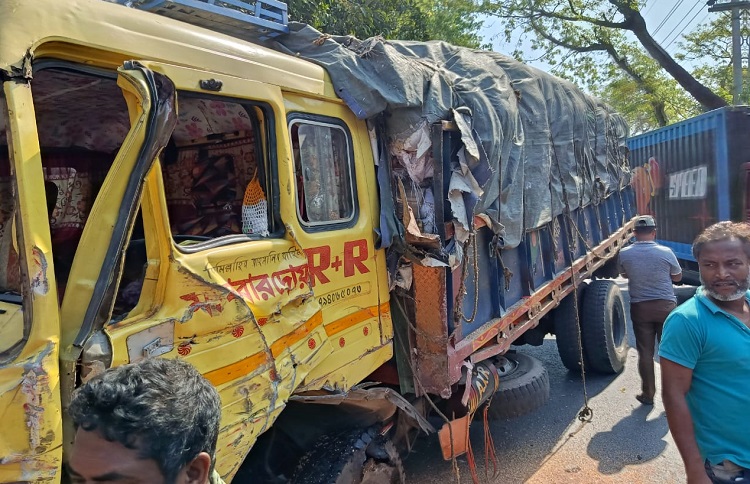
<point>203,207</point>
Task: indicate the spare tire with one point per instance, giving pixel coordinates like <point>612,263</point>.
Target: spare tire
<point>524,387</point>
<point>605,328</point>
<point>567,322</point>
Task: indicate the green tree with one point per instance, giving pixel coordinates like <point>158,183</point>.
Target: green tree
<point>454,21</point>
<point>709,49</point>
<point>642,92</point>
<point>586,41</point>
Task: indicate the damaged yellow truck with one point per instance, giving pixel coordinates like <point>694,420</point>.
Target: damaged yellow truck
<point>345,237</point>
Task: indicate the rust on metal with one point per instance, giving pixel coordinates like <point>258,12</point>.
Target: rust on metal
<point>431,332</point>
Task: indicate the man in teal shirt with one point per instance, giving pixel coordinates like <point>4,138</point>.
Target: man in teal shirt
<point>705,361</point>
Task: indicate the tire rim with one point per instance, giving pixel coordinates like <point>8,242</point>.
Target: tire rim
<point>505,366</point>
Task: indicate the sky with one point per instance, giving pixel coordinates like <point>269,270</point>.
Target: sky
<point>667,20</point>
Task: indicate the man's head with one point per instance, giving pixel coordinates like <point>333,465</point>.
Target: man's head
<point>153,421</point>
<point>723,254</point>
<point>645,228</point>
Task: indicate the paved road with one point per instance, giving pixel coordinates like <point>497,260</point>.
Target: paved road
<point>624,443</point>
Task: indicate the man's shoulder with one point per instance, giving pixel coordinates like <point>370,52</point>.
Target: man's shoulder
<point>690,312</point>
<point>639,250</point>
<point>663,248</point>
<point>629,250</point>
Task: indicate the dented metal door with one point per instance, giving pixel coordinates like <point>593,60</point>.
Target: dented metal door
<point>240,310</point>
<point>31,435</point>
<point>335,208</point>
<point>97,264</point>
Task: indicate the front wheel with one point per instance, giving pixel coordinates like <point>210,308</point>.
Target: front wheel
<point>605,328</point>
<point>354,457</point>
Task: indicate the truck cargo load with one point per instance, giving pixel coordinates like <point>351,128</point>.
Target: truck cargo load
<point>534,145</point>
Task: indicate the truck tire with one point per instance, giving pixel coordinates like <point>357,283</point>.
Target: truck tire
<point>610,269</point>
<point>605,328</point>
<point>523,389</point>
<point>567,324</point>
<point>356,457</point>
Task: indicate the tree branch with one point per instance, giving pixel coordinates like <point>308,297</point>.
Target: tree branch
<point>636,24</point>
<point>657,105</point>
<point>580,18</point>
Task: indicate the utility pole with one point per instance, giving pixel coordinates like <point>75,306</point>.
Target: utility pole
<point>740,11</point>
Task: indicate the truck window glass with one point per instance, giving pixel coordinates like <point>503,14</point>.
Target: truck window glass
<point>214,171</point>
<point>323,171</point>
<point>11,314</point>
<point>10,270</point>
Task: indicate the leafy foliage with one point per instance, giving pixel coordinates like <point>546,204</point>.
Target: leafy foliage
<point>709,48</point>
<point>454,21</point>
<point>605,47</point>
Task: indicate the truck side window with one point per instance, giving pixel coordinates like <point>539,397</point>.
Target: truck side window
<point>214,171</point>
<point>323,170</point>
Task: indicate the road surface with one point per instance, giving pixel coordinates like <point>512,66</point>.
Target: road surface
<point>625,442</point>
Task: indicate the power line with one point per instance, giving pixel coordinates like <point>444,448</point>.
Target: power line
<point>666,17</point>
<point>691,21</point>
<point>699,4</point>
<point>648,8</point>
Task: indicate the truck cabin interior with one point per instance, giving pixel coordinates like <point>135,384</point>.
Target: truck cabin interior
<point>214,169</point>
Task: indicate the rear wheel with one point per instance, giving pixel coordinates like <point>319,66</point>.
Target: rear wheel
<point>567,321</point>
<point>524,386</point>
<point>605,333</point>
<point>610,269</point>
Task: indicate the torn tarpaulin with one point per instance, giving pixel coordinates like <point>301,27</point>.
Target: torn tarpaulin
<point>533,144</point>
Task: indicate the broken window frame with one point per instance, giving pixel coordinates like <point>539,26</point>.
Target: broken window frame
<point>11,349</point>
<point>265,137</point>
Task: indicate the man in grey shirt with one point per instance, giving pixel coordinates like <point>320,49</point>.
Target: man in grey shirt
<point>650,269</point>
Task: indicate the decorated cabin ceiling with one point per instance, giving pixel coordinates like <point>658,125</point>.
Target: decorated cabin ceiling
<point>76,110</point>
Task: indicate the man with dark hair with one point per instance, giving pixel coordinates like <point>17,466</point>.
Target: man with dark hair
<point>155,421</point>
<point>650,269</point>
<point>705,361</point>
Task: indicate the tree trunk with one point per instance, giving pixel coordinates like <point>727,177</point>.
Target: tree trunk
<point>636,24</point>
<point>660,112</point>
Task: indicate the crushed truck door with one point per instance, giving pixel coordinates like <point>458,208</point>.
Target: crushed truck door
<point>224,286</point>
<point>31,442</point>
<point>335,211</point>
<point>96,268</point>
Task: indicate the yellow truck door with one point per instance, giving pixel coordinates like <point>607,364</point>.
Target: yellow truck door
<point>335,207</point>
<point>226,287</point>
<point>31,435</point>
<point>97,264</point>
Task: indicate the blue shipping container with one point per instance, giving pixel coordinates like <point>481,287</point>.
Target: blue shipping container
<point>692,174</point>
